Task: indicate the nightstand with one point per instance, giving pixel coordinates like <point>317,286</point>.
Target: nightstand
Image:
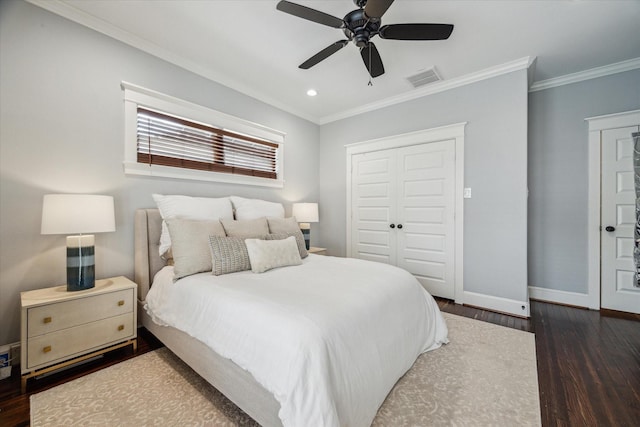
<point>60,328</point>
<point>317,251</point>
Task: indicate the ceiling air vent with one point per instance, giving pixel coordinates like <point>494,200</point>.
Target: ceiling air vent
<point>424,77</point>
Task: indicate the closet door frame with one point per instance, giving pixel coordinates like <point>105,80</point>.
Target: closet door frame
<point>444,133</point>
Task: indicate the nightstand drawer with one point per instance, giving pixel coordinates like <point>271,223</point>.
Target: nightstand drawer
<point>54,317</point>
<point>63,344</point>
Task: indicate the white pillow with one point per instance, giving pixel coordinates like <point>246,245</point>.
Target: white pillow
<point>281,228</point>
<point>267,254</point>
<point>256,208</point>
<point>186,207</point>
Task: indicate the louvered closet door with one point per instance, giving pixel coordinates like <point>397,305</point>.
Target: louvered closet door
<point>373,194</point>
<point>425,208</point>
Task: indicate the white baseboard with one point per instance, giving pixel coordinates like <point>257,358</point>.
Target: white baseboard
<point>503,305</point>
<point>560,297</point>
<point>509,306</point>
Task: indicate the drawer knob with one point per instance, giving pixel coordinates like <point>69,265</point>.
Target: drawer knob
<point>47,320</point>
<point>47,349</point>
<point>121,327</point>
<point>121,302</point>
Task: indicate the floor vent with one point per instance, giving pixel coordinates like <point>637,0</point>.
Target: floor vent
<point>424,77</point>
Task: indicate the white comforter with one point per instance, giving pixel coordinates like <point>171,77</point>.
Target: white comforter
<point>328,338</point>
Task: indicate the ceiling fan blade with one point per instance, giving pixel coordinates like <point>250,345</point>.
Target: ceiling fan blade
<point>416,31</point>
<point>376,8</point>
<point>323,54</point>
<point>309,14</point>
<point>372,60</point>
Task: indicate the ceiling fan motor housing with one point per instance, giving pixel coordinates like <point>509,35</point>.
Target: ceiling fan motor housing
<point>359,28</point>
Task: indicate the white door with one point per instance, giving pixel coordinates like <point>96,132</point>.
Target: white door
<point>373,195</point>
<point>403,204</point>
<point>425,215</point>
<point>618,221</point>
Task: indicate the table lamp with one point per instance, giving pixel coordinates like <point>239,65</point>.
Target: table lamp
<point>78,214</point>
<point>305,213</point>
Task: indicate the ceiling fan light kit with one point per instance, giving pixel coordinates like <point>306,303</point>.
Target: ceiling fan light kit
<point>359,26</point>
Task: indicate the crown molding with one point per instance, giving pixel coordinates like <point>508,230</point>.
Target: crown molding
<point>65,10</point>
<point>607,70</point>
<point>430,89</point>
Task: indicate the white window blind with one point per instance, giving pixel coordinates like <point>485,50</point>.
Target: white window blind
<point>168,140</point>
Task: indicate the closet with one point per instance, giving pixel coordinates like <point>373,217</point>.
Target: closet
<point>402,208</point>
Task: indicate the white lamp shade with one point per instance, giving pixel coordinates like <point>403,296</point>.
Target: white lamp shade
<point>77,214</point>
<point>305,212</point>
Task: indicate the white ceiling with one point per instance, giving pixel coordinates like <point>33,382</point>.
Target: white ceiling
<point>255,49</point>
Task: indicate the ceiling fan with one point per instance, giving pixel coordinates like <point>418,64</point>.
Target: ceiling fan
<point>359,26</point>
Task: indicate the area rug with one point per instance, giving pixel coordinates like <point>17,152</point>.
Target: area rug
<point>485,376</point>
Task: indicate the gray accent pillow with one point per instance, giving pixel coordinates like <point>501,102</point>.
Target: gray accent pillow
<point>228,255</point>
<point>190,244</point>
<point>288,227</point>
<point>247,228</point>
<point>283,225</point>
<point>302,248</point>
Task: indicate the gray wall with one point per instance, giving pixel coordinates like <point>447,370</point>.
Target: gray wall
<point>495,218</point>
<point>61,130</point>
<point>558,173</point>
<point>61,120</point>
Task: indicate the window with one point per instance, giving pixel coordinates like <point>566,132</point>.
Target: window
<point>169,137</point>
<point>172,141</point>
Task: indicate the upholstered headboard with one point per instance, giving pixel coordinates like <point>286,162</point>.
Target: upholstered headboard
<point>147,261</point>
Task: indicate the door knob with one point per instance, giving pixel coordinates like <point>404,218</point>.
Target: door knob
<point>392,226</point>
<point>399,226</point>
<point>610,228</point>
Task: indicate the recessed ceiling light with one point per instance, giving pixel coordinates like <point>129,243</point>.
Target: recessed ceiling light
<point>312,92</point>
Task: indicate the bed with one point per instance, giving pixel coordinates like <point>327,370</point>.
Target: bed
<point>342,401</point>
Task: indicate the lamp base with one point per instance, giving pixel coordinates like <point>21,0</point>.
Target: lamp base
<point>305,227</point>
<point>80,263</point>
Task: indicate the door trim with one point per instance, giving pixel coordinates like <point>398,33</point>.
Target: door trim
<point>596,126</point>
<point>443,133</point>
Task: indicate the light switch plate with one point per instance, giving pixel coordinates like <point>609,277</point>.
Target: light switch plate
<point>467,193</point>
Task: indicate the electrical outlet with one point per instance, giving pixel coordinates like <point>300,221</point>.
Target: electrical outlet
<point>14,354</point>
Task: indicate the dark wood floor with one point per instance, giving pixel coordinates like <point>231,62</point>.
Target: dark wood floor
<point>588,365</point>
<point>588,362</point>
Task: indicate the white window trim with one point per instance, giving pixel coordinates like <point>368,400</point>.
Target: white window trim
<point>135,96</point>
